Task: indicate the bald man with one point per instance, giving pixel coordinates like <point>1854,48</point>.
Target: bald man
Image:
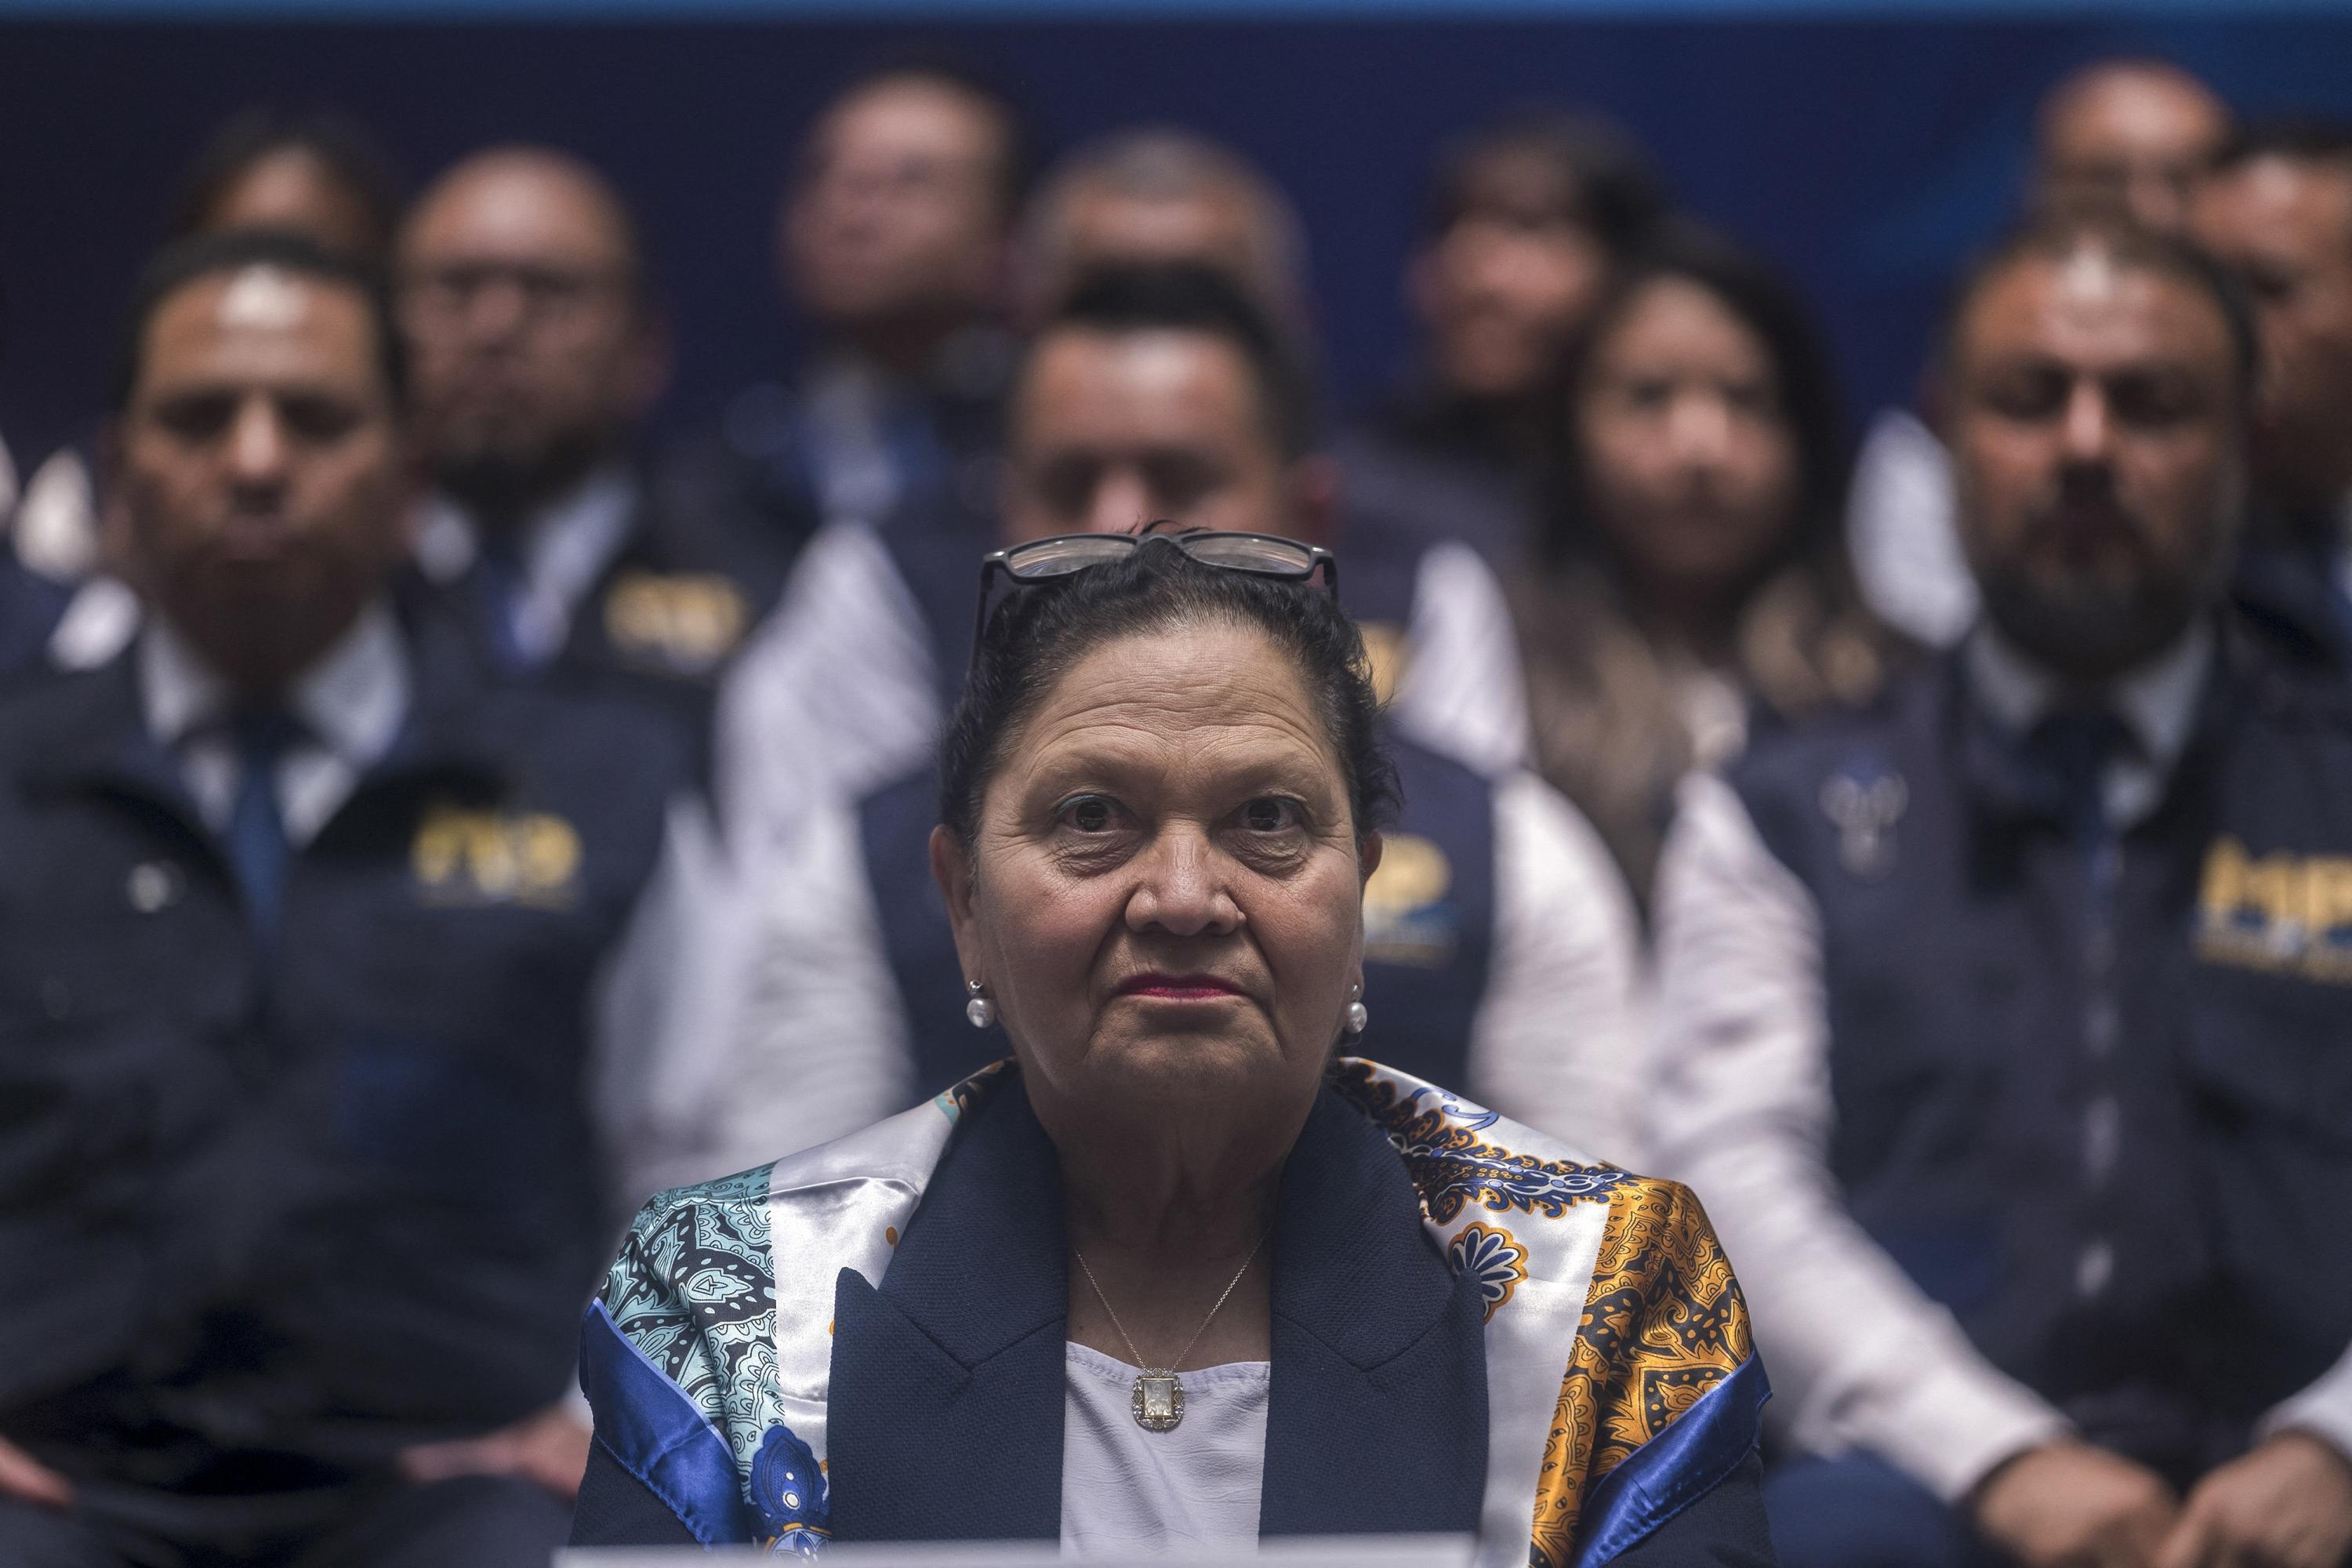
<point>1161,193</point>
<point>538,348</point>
<point>2128,135</point>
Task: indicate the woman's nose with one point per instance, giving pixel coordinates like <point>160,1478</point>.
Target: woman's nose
<point>1699,429</point>
<point>1180,890</point>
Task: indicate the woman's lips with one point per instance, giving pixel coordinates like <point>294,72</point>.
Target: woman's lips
<point>1179,988</point>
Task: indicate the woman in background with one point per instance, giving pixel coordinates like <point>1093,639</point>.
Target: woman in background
<point>1691,572</point>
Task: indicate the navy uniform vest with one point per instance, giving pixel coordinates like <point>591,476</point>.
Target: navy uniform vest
<point>1429,919</point>
<point>2110,1129</point>
<point>298,1208</point>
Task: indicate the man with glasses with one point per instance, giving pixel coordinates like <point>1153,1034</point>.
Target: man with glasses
<point>537,351</point>
<point>1500,941</point>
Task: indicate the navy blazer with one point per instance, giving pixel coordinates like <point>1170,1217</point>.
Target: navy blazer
<point>948,1378</point>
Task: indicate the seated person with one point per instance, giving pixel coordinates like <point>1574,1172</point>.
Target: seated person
<point>846,687</point>
<point>319,175</point>
<point>1179,1272</point>
<point>317,956</point>
<point>893,240</point>
<point>1692,568</point>
<point>537,351</point>
<point>1160,194</point>
<point>1525,221</point>
<point>2004,1025</point>
<point>1499,938</point>
<point>2278,210</point>
<point>2132,135</point>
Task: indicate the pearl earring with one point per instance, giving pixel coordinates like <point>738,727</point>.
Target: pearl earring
<point>1357,1015</point>
<point>980,1009</point>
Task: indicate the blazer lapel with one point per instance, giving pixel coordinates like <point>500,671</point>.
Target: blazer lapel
<point>1376,1419</point>
<point>944,1419</point>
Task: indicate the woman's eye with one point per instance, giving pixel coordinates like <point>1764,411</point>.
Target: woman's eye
<point>1089,814</point>
<point>1270,814</point>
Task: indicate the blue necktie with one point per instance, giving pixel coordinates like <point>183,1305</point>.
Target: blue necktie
<point>498,584</point>
<point>258,846</point>
<point>2073,748</point>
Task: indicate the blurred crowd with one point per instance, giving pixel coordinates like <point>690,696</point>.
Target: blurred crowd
<point>435,815</point>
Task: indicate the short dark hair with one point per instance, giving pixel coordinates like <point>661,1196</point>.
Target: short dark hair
<point>1764,301</point>
<point>340,144</point>
<point>1038,635</point>
<point>2058,235</point>
<point>2292,138</point>
<point>1612,188</point>
<point>961,74</point>
<point>1194,297</point>
<point>186,261</point>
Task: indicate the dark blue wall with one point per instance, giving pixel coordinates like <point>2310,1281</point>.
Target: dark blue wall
<point>1865,154</point>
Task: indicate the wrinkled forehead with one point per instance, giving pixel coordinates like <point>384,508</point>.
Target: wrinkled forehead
<point>1200,702</point>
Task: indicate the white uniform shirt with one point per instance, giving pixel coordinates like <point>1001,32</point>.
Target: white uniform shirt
<point>565,547</point>
<point>1861,1357</point>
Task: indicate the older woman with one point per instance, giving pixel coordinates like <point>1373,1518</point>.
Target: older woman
<point>1178,1272</point>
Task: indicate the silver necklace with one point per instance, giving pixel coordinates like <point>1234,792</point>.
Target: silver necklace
<point>1159,1402</point>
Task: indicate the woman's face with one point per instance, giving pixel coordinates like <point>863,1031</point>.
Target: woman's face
<point>1166,898</point>
<point>1691,464</point>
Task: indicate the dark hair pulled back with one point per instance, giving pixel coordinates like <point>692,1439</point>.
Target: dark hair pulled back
<point>1038,634</point>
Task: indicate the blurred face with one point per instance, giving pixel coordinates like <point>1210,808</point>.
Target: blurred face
<point>1217,226</point>
<point>1109,430</point>
<point>296,191</point>
<point>1166,896</point>
<point>897,212</point>
<point>2133,140</point>
<point>2287,226</point>
<point>532,356</point>
<point>260,471</point>
<point>1691,463</point>
<point>2095,428</point>
<point>1506,284</point>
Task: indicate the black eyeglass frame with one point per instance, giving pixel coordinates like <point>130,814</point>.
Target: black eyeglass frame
<point>1004,564</point>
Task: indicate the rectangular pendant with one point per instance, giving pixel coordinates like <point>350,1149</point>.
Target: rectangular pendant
<point>1158,1403</point>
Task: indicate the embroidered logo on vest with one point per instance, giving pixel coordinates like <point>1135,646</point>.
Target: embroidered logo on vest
<point>472,856</point>
<point>1864,802</point>
<point>2282,912</point>
<point>681,622</point>
<point>1407,918</point>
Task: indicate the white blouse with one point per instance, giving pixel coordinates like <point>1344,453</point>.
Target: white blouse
<point>1127,1489</point>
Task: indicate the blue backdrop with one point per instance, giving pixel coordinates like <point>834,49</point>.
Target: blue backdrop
<point>1866,153</point>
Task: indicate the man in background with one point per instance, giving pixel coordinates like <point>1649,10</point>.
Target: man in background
<point>1522,227</point>
<point>2001,1021</point>
<point>2278,211</point>
<point>1500,941</point>
<point>324,956</point>
<point>893,245</point>
<point>1162,194</point>
<point>2129,136</point>
<point>537,351</point>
